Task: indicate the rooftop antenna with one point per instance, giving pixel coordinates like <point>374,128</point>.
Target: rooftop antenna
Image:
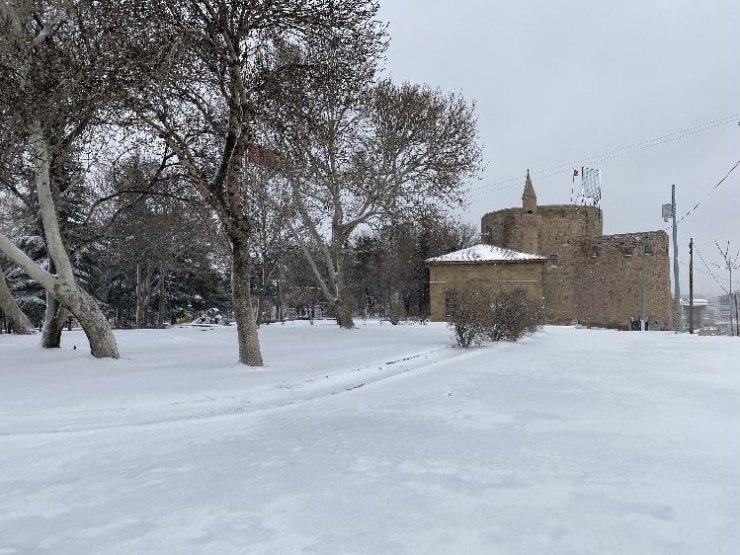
<point>589,193</point>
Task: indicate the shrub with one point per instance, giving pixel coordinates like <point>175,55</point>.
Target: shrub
<point>477,313</point>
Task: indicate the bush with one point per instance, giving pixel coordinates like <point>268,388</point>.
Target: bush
<point>476,314</point>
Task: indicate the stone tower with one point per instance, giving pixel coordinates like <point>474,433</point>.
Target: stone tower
<point>530,227</point>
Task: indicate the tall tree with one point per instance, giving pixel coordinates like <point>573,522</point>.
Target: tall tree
<point>199,89</point>
<point>389,276</point>
<point>355,151</point>
<point>52,85</point>
<point>156,224</point>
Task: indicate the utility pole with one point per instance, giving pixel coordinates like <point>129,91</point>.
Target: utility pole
<point>691,285</point>
<point>675,259</point>
<point>642,287</point>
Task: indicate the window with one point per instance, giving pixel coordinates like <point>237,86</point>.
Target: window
<point>594,251</point>
<point>554,260</point>
<point>648,249</point>
<point>451,300</point>
<point>627,251</point>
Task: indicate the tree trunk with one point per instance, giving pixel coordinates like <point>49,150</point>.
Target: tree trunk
<point>344,303</point>
<point>17,320</point>
<point>93,322</point>
<point>54,318</point>
<point>162,297</point>
<point>343,307</point>
<point>246,324</point>
<point>142,295</point>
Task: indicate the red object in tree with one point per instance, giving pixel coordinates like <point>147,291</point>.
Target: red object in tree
<point>261,156</point>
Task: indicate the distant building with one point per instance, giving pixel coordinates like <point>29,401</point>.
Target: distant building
<point>484,265</point>
<point>586,277</point>
<point>703,316</point>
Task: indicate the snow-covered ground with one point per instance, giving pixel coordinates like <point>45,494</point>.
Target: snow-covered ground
<point>378,440</point>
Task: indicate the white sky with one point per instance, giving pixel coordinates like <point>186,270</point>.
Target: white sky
<point>558,81</point>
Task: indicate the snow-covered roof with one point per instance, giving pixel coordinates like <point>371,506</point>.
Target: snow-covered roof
<point>697,302</point>
<point>485,253</point>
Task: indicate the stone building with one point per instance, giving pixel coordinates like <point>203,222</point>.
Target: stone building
<point>490,266</point>
<point>589,277</point>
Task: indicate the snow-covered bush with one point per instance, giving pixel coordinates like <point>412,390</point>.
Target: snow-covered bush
<point>477,314</point>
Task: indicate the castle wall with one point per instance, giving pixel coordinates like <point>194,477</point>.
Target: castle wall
<point>554,225</point>
<point>596,278</point>
<point>606,279</point>
<point>504,228</point>
<point>560,223</point>
<point>506,276</point>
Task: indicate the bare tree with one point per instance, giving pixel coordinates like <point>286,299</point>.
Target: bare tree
<point>19,322</point>
<point>204,93</point>
<point>269,242</point>
<point>52,86</point>
<point>731,263</point>
<point>389,275</point>
<point>154,221</point>
<point>357,152</point>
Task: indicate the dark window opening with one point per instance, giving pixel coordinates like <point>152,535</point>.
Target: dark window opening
<point>554,262</point>
<point>451,301</point>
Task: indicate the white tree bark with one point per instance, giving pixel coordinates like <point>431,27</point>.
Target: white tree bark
<point>61,285</point>
<point>54,318</point>
<point>18,320</point>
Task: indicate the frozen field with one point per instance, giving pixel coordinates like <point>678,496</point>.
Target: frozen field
<point>378,440</point>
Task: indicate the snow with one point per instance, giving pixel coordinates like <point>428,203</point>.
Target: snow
<point>383,439</point>
<point>697,302</point>
<point>485,253</point>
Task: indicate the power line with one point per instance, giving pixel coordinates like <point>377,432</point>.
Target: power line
<point>709,194</point>
<point>711,274</point>
<point>565,167</point>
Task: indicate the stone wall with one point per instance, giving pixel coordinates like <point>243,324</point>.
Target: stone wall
<point>560,223</point>
<point>503,228</point>
<point>507,276</point>
<point>606,279</point>
<point>589,277</point>
<point>554,226</point>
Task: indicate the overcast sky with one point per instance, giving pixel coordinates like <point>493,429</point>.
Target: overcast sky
<point>557,81</point>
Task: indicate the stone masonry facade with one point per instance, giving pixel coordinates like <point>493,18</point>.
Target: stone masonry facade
<point>589,277</point>
<point>445,278</point>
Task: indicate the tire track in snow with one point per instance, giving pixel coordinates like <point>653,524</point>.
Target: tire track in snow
<point>310,390</point>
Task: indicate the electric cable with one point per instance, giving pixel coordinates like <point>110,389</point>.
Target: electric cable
<point>564,167</point>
